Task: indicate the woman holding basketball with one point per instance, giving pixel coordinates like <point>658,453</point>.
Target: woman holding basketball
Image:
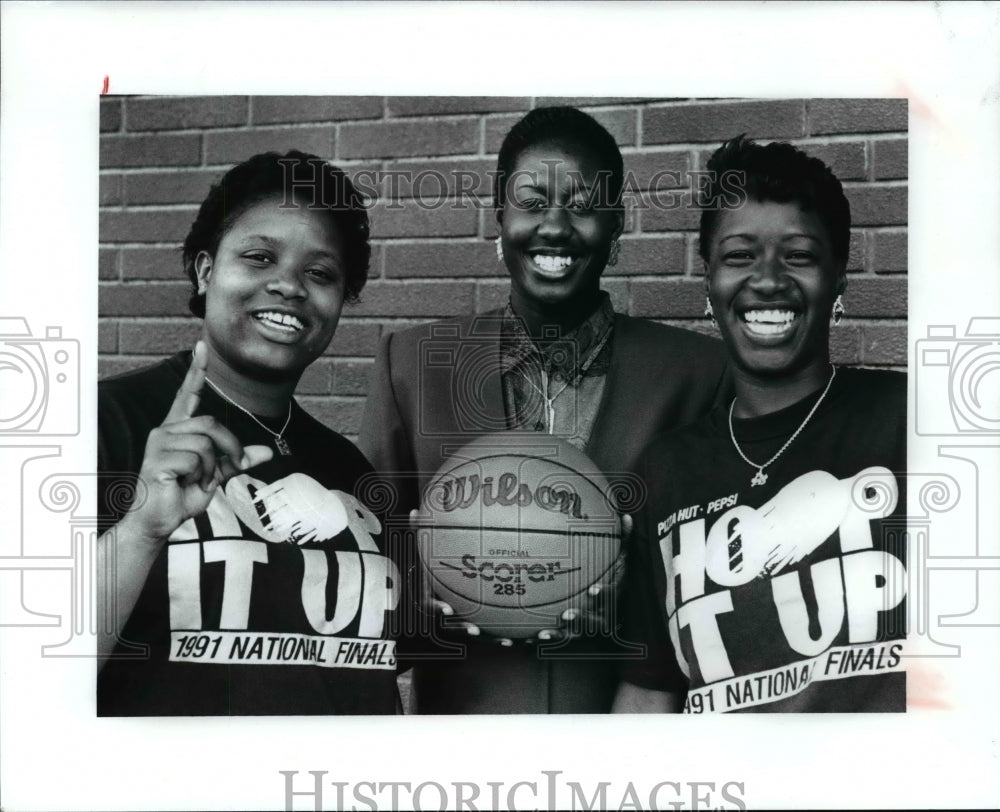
<point>555,360</point>
<point>244,577</point>
<point>771,576</point>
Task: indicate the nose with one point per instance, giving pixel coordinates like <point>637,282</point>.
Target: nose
<point>287,282</point>
<point>555,223</point>
<point>768,275</point>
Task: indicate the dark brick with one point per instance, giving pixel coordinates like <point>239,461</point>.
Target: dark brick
<point>434,179</point>
<point>107,336</point>
<point>491,294</point>
<point>316,378</point>
<point>158,337</point>
<point>351,377</point>
<point>150,150</point>
<point>416,299</point>
<point>294,109</point>
<point>407,219</point>
<point>152,263</point>
<point>590,101</point>
<point>376,264</point>
<point>856,251</point>
<point>496,129</point>
<point>183,113</point>
<point>889,251</point>
<point>339,414</point>
<point>891,159</point>
<point>110,190</point>
<point>877,205</point>
<point>668,298</point>
<point>488,227</point>
<point>145,225</point>
<point>449,105</point>
<point>107,263</point>
<point>845,343</point>
<point>846,159</point>
<point>237,145</point>
<point>644,255</point>
<point>657,170</point>
<point>406,138</point>
<point>150,188</point>
<point>622,124</point>
<point>884,344</point>
<point>670,211</point>
<point>109,366</point>
<point>442,259</point>
<point>111,115</point>
<point>876,297</point>
<point>143,299</point>
<point>354,338</point>
<point>721,120</point>
<point>856,115</point>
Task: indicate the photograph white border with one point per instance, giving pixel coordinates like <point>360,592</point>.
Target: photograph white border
<point>58,755</point>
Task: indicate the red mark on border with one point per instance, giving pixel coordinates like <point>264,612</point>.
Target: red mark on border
<point>104,87</point>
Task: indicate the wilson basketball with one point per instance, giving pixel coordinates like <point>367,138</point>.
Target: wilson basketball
<point>514,529</point>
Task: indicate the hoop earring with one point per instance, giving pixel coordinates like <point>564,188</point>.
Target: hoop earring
<point>838,310</point>
<point>613,253</point>
<point>499,247</point>
<point>709,313</point>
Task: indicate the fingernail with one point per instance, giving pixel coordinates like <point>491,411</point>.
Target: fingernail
<point>506,643</point>
<point>569,614</point>
<point>472,631</point>
<point>245,461</point>
<point>447,610</point>
<point>545,635</point>
<point>594,591</point>
<point>199,347</point>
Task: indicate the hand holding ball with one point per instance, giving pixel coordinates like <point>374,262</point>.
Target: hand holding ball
<point>513,531</point>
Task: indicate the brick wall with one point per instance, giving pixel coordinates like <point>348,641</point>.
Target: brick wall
<point>159,156</point>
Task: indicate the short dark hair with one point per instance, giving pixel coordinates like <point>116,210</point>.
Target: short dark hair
<point>568,127</point>
<point>780,173</point>
<point>294,175</point>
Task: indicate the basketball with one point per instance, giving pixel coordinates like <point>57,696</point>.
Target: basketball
<point>514,529</point>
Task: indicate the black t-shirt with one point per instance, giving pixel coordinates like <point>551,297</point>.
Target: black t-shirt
<point>278,599</point>
<point>786,596</point>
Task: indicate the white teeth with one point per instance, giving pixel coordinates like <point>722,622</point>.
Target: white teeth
<point>548,262</point>
<point>768,322</point>
<point>283,320</point>
<point>770,316</point>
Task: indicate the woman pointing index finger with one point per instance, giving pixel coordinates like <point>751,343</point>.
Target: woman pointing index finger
<point>246,593</point>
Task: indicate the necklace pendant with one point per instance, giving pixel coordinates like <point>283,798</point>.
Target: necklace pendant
<point>283,448</point>
<point>759,478</point>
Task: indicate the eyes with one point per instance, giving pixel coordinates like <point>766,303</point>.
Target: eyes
<point>536,203</point>
<point>321,272</point>
<point>745,257</point>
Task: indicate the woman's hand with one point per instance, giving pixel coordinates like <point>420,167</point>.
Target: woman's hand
<point>598,611</point>
<point>185,461</point>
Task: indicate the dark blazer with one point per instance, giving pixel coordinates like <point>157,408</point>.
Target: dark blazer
<point>436,387</point>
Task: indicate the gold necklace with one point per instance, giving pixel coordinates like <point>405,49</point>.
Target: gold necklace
<point>280,442</point>
<point>760,477</point>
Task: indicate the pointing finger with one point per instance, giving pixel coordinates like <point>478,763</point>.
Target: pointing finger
<point>189,395</point>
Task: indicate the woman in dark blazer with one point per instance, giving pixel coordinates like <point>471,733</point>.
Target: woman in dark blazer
<point>556,359</point>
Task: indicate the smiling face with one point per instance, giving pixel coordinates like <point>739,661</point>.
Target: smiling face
<point>556,236</point>
<point>772,280</point>
<point>274,291</point>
